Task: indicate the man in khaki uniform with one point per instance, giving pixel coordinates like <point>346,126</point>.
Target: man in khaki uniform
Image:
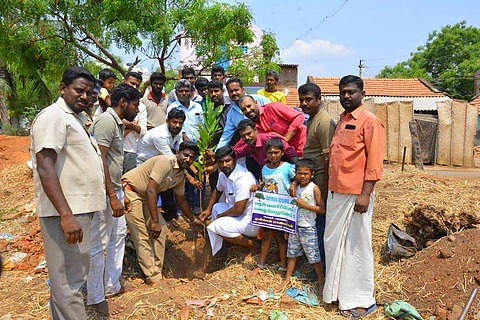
<point>69,189</point>
<point>142,185</point>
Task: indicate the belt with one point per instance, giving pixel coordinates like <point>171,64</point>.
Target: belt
<point>126,186</point>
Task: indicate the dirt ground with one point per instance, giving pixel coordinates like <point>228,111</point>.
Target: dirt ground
<point>437,280</point>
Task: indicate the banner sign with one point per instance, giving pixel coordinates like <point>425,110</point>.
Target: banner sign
<point>274,211</point>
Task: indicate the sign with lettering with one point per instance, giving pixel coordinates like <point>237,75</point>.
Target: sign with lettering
<point>274,211</point>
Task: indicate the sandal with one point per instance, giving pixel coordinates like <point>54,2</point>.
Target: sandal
<point>355,314</point>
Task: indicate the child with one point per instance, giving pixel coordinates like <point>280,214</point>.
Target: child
<point>276,177</point>
<point>310,203</point>
<point>108,77</point>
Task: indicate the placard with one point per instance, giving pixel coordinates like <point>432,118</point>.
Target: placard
<point>274,211</point>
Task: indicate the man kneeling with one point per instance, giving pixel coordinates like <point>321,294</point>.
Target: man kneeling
<point>231,219</point>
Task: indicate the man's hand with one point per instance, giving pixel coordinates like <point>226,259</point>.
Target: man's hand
<point>255,187</point>
<point>210,169</point>
<point>204,215</point>
<point>155,229</point>
<point>72,229</point>
<point>118,209</point>
<point>127,203</point>
<point>293,189</point>
<point>361,203</point>
<point>197,183</point>
<point>198,223</point>
<point>129,124</point>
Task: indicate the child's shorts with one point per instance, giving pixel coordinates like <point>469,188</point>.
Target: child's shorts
<point>304,241</point>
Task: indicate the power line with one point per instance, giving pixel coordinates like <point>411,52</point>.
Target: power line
<point>331,14</point>
<point>390,58</point>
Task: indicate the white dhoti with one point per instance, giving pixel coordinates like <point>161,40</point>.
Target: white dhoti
<point>348,251</point>
<point>229,227</point>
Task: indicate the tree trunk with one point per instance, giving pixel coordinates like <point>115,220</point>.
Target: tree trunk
<point>3,110</point>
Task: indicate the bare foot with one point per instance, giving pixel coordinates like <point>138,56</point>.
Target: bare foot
<point>282,285</point>
<point>253,251</point>
<point>124,288</point>
<point>254,272</point>
<point>107,308</point>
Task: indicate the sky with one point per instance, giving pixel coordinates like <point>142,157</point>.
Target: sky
<point>378,32</point>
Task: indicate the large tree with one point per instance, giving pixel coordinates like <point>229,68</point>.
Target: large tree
<point>448,60</point>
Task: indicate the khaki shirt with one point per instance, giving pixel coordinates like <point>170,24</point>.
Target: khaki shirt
<point>78,166</point>
<point>164,170</point>
<point>107,129</point>
<point>320,131</point>
<point>156,112</point>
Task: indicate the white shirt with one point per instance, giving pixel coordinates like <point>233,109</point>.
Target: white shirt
<point>157,141</point>
<point>236,187</point>
<point>132,139</point>
<point>194,117</point>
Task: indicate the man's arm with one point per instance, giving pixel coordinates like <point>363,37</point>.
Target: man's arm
<point>162,144</point>
<point>242,149</point>
<point>236,210</point>
<point>152,196</point>
<point>294,118</point>
<point>118,209</point>
<point>290,154</point>
<point>185,207</point>
<point>46,159</point>
<point>228,132</point>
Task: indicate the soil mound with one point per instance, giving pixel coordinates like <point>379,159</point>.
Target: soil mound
<point>13,150</point>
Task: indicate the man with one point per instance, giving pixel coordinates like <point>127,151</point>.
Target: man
<point>356,164</point>
<point>201,86</point>
<point>147,227</point>
<point>253,143</point>
<point>235,115</point>
<point>69,188</point>
<point>164,139</point>
<point>155,101</point>
<point>270,91</point>
<point>320,130</point>
<point>216,95</point>
<point>231,219</point>
<point>218,73</point>
<point>134,130</point>
<point>187,74</point>
<point>193,111</point>
<point>277,118</point>
<point>108,228</point>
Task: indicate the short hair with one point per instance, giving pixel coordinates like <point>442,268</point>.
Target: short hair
<point>215,84</point>
<point>106,73</point>
<point>176,113</point>
<point>200,83</point>
<point>351,79</point>
<point>218,68</point>
<point>304,163</point>
<point>188,70</point>
<point>245,97</point>
<point>157,76</point>
<point>73,73</point>
<point>273,74</point>
<point>189,145</point>
<point>126,92</point>
<point>133,74</point>
<point>183,83</point>
<point>275,142</point>
<point>233,80</point>
<point>244,124</point>
<point>224,151</point>
<point>310,87</point>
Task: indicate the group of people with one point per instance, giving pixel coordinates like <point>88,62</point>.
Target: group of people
<point>127,161</point>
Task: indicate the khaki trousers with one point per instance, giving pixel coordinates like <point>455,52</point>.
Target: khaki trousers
<point>150,252</point>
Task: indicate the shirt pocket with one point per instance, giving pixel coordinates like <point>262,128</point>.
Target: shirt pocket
<point>348,137</point>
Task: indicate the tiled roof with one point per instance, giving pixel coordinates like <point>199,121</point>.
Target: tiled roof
<point>383,87</point>
<point>291,94</point>
<point>476,100</point>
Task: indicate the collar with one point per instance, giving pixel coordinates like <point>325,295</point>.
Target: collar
<point>355,113</point>
<point>61,103</point>
<point>150,97</point>
<point>115,116</point>
<point>238,169</point>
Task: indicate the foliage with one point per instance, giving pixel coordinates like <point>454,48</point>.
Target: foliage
<point>207,131</point>
<point>11,130</point>
<point>448,60</point>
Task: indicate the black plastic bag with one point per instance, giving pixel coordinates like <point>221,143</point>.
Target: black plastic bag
<point>399,243</point>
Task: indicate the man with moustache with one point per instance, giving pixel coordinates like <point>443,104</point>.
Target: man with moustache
<point>142,185</point>
<point>155,101</point>
<point>69,189</point>
<point>277,118</point>
<point>108,228</point>
<point>270,91</point>
<point>356,164</point>
<point>234,116</point>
